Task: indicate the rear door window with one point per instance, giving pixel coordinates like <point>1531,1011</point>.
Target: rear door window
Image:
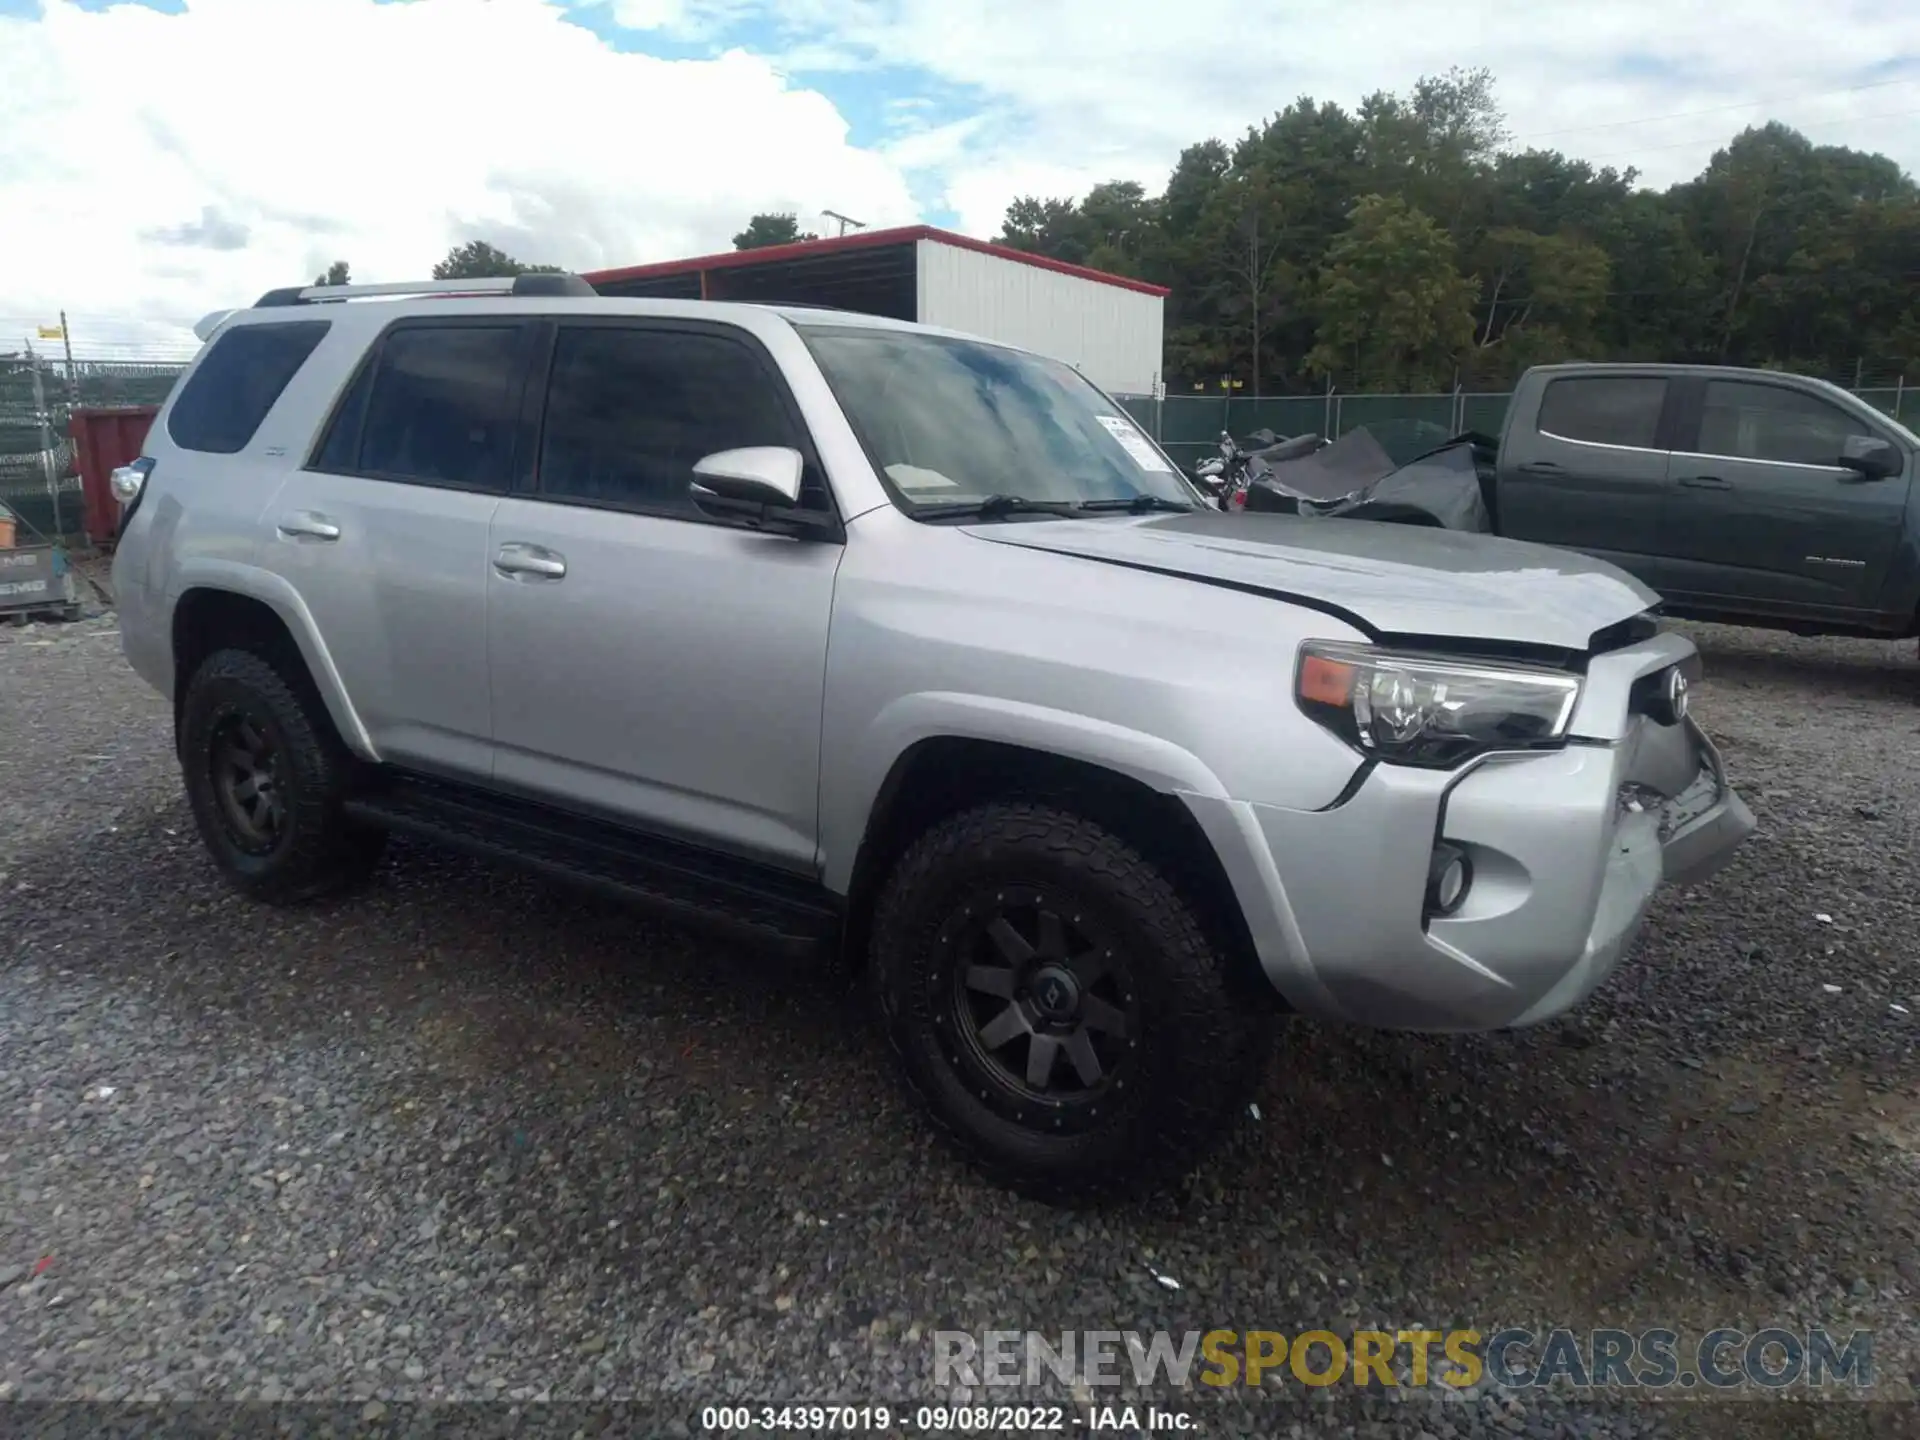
<point>1742,420</point>
<point>237,383</point>
<point>1605,409</point>
<point>438,405</point>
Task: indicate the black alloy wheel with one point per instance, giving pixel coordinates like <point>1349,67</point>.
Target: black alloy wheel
<point>247,774</point>
<point>1042,1008</point>
<point>1069,1013</point>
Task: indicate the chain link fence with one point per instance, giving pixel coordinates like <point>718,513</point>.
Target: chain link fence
<point>1188,426</point>
<point>38,479</point>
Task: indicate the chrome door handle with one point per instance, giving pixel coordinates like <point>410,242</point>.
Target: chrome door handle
<point>305,525</point>
<point>535,560</point>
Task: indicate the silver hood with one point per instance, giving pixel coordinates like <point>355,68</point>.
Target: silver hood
<point>1389,579</point>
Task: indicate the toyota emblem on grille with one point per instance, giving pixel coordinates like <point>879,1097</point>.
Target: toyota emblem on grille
<point>1676,696</point>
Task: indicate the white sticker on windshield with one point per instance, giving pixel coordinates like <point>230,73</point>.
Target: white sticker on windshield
<point>1134,443</point>
<point>915,477</point>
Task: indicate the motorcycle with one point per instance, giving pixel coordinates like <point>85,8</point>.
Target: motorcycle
<point>1227,476</point>
<point>1218,474</point>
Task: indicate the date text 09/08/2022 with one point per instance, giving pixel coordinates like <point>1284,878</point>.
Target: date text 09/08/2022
<point>940,1419</point>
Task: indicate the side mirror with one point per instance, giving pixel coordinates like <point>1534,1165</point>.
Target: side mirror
<point>1872,457</point>
<point>757,475</point>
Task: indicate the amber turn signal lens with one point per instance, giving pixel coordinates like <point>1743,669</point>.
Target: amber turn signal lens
<point>1324,681</point>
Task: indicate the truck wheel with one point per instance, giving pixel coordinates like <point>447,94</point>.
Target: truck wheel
<point>265,776</point>
<point>1056,1004</point>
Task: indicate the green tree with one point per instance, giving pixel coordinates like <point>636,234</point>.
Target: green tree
<point>1123,225</point>
<point>1309,159</point>
<point>1767,207</point>
<point>1662,302</point>
<point>1195,344</point>
<point>1844,293</point>
<point>1196,176</point>
<point>1780,252</point>
<point>772,229</point>
<point>1392,307</point>
<point>335,274</point>
<point>1115,228</point>
<point>1435,146</point>
<point>1054,228</point>
<point>1545,294</point>
<point>477,260</point>
<point>1241,265</point>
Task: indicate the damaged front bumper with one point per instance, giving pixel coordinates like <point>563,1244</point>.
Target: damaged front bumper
<point>1567,849</point>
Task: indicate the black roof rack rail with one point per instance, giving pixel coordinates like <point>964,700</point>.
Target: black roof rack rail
<point>545,284</point>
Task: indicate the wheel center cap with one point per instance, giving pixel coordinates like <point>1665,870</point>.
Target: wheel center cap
<point>1056,994</point>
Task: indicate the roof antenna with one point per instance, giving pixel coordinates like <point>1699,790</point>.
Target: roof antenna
<point>845,220</point>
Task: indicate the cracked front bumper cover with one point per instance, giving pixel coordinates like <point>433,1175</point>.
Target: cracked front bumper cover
<point>1563,875</point>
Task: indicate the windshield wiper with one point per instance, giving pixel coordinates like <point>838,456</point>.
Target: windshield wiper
<point>1133,505</point>
<point>992,507</point>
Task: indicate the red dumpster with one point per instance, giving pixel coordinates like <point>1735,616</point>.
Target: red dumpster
<point>105,438</point>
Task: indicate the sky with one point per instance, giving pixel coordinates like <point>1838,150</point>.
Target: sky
<point>163,158</point>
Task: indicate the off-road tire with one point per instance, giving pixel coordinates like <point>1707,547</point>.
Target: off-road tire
<point>317,850</point>
<point>1203,1036</point>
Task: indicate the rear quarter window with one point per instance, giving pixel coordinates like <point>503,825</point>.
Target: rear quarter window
<point>1604,409</point>
<point>237,383</point>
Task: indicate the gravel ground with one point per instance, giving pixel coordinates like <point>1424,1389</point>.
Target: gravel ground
<point>468,1135</point>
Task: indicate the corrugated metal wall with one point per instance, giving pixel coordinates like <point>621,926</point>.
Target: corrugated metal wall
<point>1113,334</point>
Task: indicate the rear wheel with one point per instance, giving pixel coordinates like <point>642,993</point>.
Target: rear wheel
<point>265,777</point>
<point>1057,1005</point>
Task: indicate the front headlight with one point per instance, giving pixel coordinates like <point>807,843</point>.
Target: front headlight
<point>1411,709</point>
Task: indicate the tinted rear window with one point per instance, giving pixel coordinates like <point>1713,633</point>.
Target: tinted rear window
<point>234,387</point>
<point>1604,409</point>
<point>443,407</point>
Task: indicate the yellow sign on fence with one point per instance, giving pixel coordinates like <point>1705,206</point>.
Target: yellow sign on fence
<point>53,332</point>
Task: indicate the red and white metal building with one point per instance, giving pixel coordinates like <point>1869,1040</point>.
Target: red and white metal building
<point>1109,326</point>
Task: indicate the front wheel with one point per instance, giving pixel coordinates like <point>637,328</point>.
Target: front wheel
<point>1057,1005</point>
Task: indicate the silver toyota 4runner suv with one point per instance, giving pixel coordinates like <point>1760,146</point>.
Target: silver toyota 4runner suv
<point>837,629</point>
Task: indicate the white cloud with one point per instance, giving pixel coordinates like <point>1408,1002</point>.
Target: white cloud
<point>675,17</point>
<point>154,167</point>
<point>918,146</point>
<point>649,14</point>
<point>1088,90</point>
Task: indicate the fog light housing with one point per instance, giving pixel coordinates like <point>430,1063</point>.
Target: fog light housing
<point>1449,877</point>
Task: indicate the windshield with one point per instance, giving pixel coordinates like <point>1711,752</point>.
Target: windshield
<point>954,422</point>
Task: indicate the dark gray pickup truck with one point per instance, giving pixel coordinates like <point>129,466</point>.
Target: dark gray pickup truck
<point>1740,495</point>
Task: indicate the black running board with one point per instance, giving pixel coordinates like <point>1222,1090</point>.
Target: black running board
<point>754,902</point>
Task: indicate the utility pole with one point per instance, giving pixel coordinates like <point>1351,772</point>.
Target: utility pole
<point>1253,280</point>
<point>47,457</point>
<point>73,385</point>
<point>845,220</point>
